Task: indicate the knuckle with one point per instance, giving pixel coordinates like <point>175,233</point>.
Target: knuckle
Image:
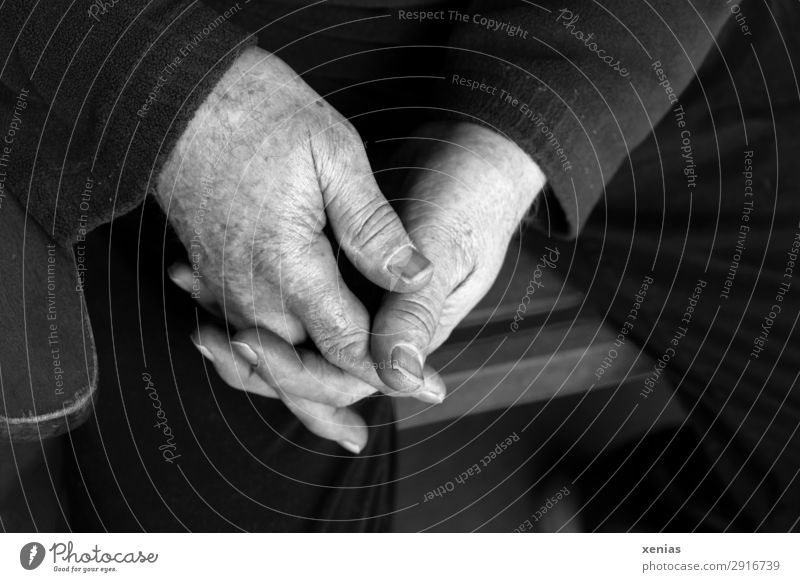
<point>336,335</point>
<point>296,278</point>
<point>319,386</point>
<point>347,350</point>
<point>417,314</point>
<point>271,372</point>
<point>339,136</point>
<point>262,263</point>
<point>458,236</point>
<point>343,133</point>
<point>345,159</point>
<point>455,252</point>
<point>373,222</point>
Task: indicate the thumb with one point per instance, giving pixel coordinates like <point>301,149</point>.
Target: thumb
<point>403,331</point>
<point>366,226</point>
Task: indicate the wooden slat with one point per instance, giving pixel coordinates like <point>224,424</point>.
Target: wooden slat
<point>555,352</point>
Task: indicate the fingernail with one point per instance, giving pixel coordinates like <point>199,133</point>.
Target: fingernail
<point>430,397</point>
<point>407,263</point>
<point>407,360</point>
<point>350,446</point>
<point>246,352</point>
<point>203,350</point>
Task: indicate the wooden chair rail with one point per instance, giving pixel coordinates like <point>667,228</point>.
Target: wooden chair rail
<point>554,351</point>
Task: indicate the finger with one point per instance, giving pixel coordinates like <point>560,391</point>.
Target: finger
<point>183,276</point>
<point>364,223</point>
<point>341,425</point>
<point>330,313</point>
<point>234,370</point>
<point>298,372</point>
<point>403,330</point>
<point>337,322</point>
<point>406,325</point>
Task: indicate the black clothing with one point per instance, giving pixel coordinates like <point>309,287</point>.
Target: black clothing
<point>121,83</point>
<point>671,213</point>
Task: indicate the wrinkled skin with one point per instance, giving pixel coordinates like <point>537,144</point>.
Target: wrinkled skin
<point>462,202</point>
<point>265,164</point>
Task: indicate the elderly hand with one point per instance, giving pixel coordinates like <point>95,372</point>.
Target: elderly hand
<point>261,168</point>
<point>467,191</point>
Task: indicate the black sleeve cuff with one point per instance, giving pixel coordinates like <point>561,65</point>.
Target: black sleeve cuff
<point>576,86</point>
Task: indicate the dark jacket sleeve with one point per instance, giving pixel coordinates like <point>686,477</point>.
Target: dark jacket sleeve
<point>578,84</point>
<point>93,94</point>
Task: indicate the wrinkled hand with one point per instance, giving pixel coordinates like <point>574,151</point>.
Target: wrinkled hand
<point>466,193</point>
<point>262,167</point>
